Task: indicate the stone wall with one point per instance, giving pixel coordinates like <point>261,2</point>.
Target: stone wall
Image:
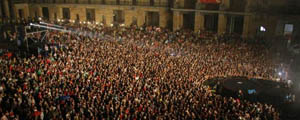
<point>103,12</point>
<point>167,16</point>
<point>199,19</point>
<point>177,20</point>
<point>23,7</point>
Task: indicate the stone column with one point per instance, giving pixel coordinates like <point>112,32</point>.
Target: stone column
<point>6,8</point>
<point>59,13</point>
<point>80,11</point>
<point>141,17</point>
<point>26,12</point>
<point>225,5</point>
<point>163,18</point>
<point>82,14</point>
<point>51,13</point>
<point>108,17</point>
<point>17,12</point>
<point>222,23</point>
<point>199,21</point>
<point>40,12</point>
<point>98,15</point>
<point>128,17</point>
<point>177,20</point>
<point>246,26</point>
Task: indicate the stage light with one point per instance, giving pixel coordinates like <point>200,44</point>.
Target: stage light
<point>84,22</point>
<point>122,25</point>
<point>111,25</point>
<point>262,29</point>
<point>40,18</point>
<point>80,22</point>
<point>280,73</point>
<point>97,23</point>
<point>58,20</point>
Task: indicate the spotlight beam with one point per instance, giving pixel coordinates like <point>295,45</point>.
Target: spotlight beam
<point>73,31</point>
<point>43,23</point>
<point>47,27</point>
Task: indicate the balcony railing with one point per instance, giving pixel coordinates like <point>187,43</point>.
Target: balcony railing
<point>19,1</point>
<point>155,4</point>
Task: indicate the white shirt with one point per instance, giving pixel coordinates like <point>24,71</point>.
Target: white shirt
<point>42,115</point>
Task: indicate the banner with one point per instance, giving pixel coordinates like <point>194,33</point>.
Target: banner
<point>251,91</point>
<point>210,1</point>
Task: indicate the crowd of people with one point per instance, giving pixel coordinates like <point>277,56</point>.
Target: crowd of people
<point>97,72</point>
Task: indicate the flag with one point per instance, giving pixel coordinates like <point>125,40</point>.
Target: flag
<point>36,113</point>
<point>9,55</point>
<point>210,1</point>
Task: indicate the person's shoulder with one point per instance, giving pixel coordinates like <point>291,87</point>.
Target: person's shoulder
<point>4,117</point>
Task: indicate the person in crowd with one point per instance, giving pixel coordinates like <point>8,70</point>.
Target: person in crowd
<point>131,73</point>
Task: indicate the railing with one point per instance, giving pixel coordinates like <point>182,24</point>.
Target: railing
<point>197,6</point>
<point>155,4</point>
<point>19,1</point>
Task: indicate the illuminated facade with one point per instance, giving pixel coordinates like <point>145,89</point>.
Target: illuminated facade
<point>231,16</point>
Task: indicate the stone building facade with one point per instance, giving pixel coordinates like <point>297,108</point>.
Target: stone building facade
<point>231,16</point>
